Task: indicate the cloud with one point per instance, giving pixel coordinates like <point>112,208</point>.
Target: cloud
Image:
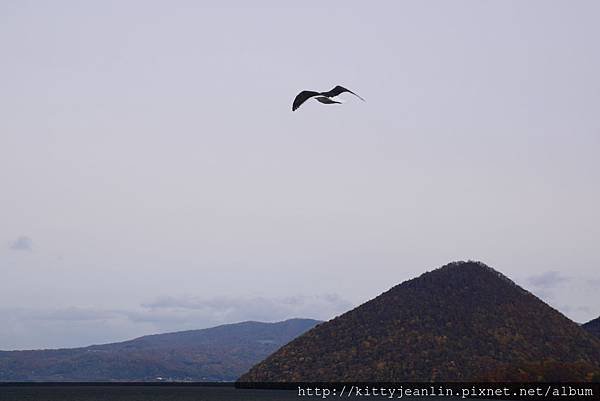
<point>41,328</point>
<point>567,309</point>
<point>548,279</point>
<point>571,295</point>
<point>25,328</point>
<point>228,309</point>
<point>73,314</point>
<point>593,282</point>
<point>22,243</point>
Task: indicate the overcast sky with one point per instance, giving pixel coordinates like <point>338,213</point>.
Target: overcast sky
<point>153,177</point>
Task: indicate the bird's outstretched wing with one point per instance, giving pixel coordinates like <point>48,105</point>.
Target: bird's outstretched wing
<point>303,97</point>
<point>339,89</point>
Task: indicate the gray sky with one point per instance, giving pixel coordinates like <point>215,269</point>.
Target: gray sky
<point>153,177</point>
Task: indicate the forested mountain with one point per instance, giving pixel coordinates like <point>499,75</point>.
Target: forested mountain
<point>461,322</point>
<point>216,354</point>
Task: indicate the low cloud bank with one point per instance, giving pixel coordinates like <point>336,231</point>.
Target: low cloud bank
<point>26,328</point>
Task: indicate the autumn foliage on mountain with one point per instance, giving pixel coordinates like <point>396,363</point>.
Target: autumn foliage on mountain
<point>462,322</point>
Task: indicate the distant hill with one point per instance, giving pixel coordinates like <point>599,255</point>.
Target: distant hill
<point>593,326</point>
<point>217,354</point>
<point>461,322</point>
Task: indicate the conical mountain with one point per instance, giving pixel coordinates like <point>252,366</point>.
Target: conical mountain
<point>593,326</point>
<point>461,322</point>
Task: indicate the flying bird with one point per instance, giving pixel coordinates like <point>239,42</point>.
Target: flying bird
<point>323,97</point>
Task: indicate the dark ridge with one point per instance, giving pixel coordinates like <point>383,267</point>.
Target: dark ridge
<point>462,322</point>
<point>220,353</point>
<point>593,326</point>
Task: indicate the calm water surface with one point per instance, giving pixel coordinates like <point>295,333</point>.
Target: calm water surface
<point>140,393</point>
<point>155,393</point>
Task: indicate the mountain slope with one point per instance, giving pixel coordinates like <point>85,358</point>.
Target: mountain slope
<point>464,321</point>
<point>214,354</point>
<point>593,326</point>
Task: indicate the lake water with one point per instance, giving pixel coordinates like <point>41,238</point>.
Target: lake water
<point>92,392</point>
<point>227,392</point>
<point>141,393</point>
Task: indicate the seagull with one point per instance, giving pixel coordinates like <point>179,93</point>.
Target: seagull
<point>323,97</point>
